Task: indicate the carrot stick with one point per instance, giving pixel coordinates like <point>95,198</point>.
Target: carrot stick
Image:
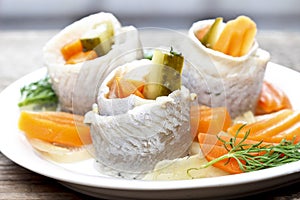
<point>223,43</point>
<point>231,166</point>
<point>271,99</point>
<point>55,127</point>
<point>249,36</point>
<point>128,87</point>
<point>213,148</point>
<point>200,33</point>
<point>82,56</point>
<point>235,43</point>
<point>237,37</point>
<point>259,125</point>
<point>71,49</point>
<point>292,133</point>
<point>280,127</point>
<point>209,120</point>
<point>121,88</point>
<point>284,124</point>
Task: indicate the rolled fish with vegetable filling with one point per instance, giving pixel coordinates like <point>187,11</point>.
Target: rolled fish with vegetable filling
<point>143,116</point>
<point>237,65</point>
<point>84,49</point>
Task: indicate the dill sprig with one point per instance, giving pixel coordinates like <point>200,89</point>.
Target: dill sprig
<point>253,157</point>
<point>174,53</point>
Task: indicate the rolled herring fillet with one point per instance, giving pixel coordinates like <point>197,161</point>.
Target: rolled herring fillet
<point>77,84</point>
<point>234,82</point>
<point>131,135</point>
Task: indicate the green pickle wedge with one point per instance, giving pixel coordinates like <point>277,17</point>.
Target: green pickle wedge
<point>165,75</point>
<point>211,37</point>
<point>99,39</point>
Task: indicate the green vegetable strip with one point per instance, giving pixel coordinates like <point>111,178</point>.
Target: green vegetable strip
<point>39,92</point>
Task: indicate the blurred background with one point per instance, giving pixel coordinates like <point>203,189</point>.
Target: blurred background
<point>175,14</point>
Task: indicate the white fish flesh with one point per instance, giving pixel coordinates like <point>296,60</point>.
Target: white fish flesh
<point>76,84</point>
<point>135,133</point>
<point>223,80</point>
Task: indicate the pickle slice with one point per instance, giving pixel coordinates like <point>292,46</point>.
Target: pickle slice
<point>99,39</point>
<point>165,75</point>
<point>211,37</point>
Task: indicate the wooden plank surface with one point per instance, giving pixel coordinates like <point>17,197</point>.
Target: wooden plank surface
<point>21,53</point>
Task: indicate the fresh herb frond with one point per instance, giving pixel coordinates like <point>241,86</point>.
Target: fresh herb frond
<point>224,142</point>
<point>253,157</point>
<point>174,52</point>
<point>39,92</point>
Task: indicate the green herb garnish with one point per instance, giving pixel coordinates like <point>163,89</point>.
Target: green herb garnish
<point>253,157</point>
<point>174,52</point>
<point>38,93</point>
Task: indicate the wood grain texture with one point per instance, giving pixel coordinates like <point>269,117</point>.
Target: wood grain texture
<point>22,53</point>
<point>19,183</point>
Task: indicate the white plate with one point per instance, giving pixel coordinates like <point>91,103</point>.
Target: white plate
<point>84,178</point>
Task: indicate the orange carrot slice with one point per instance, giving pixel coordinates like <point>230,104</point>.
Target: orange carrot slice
<point>55,127</point>
<point>71,49</point>
<point>200,33</point>
<point>284,124</point>
<point>82,56</point>
<point>248,39</point>
<point>242,37</point>
<point>292,133</point>
<point>121,88</point>
<point>211,139</point>
<point>210,120</point>
<point>235,44</point>
<point>237,37</point>
<point>223,42</point>
<point>279,127</point>
<point>255,127</point>
<point>271,99</point>
<point>231,166</point>
<point>213,148</point>
<point>128,87</point>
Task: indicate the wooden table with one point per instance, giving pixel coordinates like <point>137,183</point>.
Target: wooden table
<point>21,53</point>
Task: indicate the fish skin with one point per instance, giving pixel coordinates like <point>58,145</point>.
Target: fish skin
<point>133,142</point>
